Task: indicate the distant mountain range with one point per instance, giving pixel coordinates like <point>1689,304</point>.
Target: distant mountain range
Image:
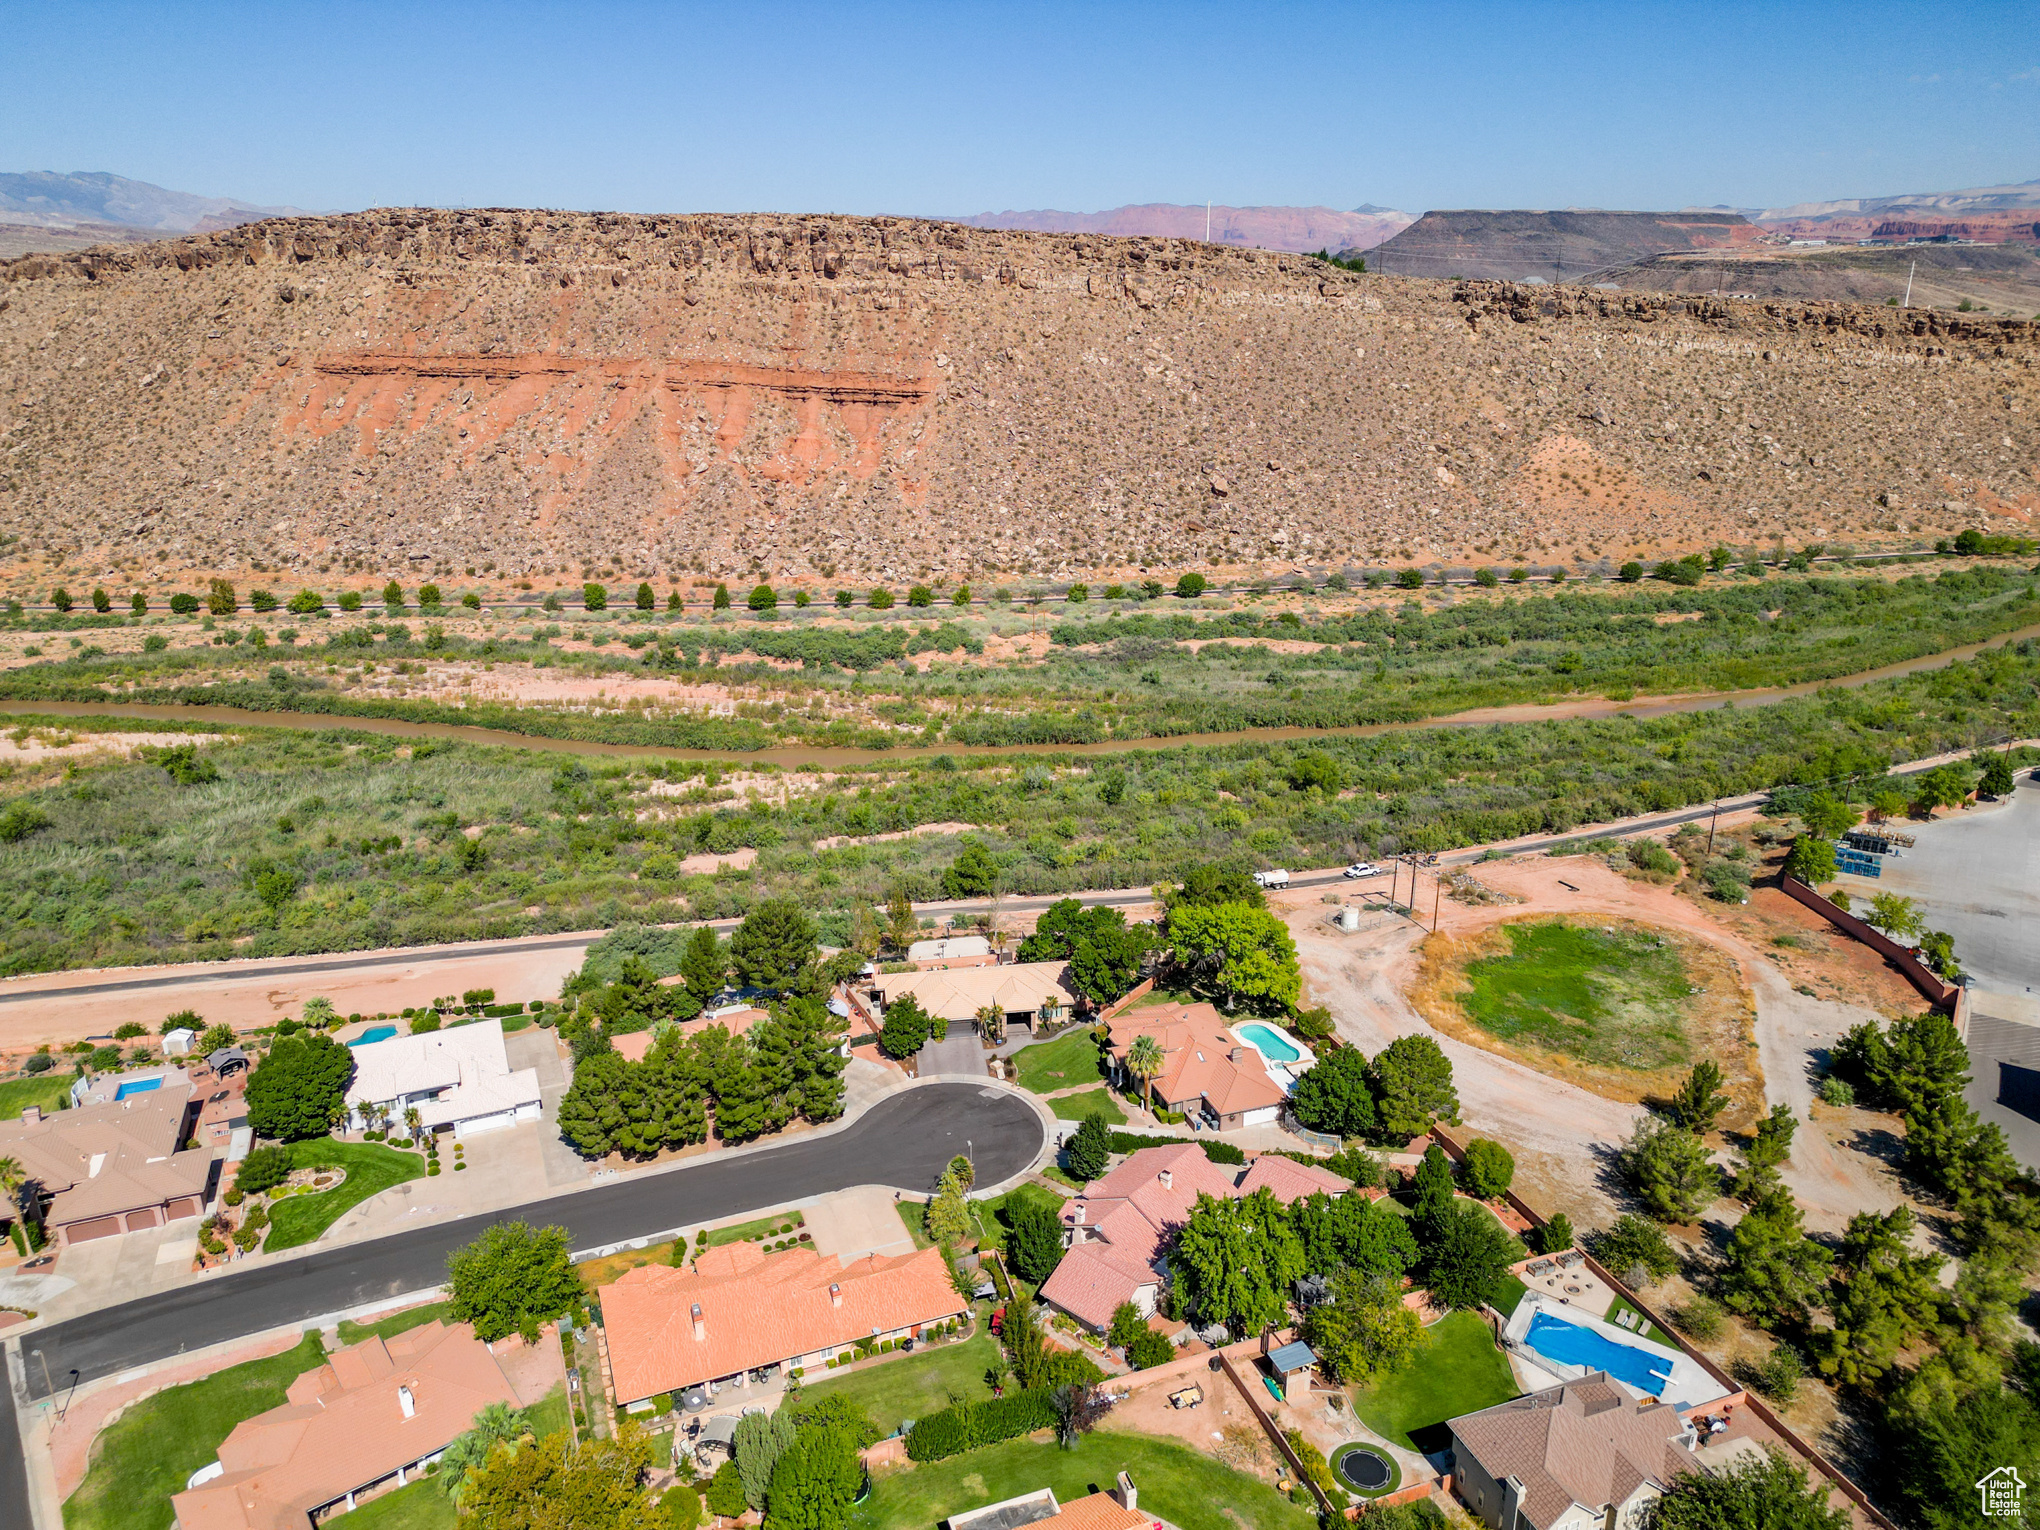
<point>1262,228</point>
<point>50,200</point>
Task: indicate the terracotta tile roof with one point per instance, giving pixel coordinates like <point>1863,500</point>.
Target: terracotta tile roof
<point>119,1156</point>
<point>1089,1283</point>
<point>759,1309</point>
<point>1096,1511</point>
<point>345,1427</point>
<point>1198,1054</point>
<point>1587,1442</point>
<point>1289,1180</point>
<point>958,993</point>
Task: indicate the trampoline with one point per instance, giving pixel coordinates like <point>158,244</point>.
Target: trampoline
<point>1365,1469</point>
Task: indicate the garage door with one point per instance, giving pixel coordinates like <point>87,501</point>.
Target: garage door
<point>85,1232</point>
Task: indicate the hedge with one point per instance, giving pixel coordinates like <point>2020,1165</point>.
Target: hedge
<point>971,1425</point>
<point>1216,1152</point>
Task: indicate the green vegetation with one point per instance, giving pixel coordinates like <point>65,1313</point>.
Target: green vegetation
<point>371,1169</point>
<point>1090,1102</point>
<point>139,1461</point>
<point>1189,1490</point>
<point>418,1506</point>
<point>745,1232</point>
<point>1613,996</point>
<point>1645,1328</point>
<point>1457,1370</point>
<point>388,1327</point>
<point>912,1386</point>
<point>1075,1058</point>
<point>50,1090</point>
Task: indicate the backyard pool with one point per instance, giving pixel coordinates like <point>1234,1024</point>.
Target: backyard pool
<point>1271,1044</point>
<point>373,1034</point>
<point>1570,1344</point>
<point>137,1086</point>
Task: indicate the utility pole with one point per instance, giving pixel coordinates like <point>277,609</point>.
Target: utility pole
<point>1908,285</point>
<point>1437,892</point>
<point>1714,819</point>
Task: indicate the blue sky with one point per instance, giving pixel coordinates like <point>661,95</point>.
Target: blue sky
<point>957,108</point>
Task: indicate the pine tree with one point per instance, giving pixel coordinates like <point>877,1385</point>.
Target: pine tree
<point>1768,1151</point>
<point>1774,1270</point>
<point>1034,1246</point>
<point>704,963</point>
<point>1089,1149</point>
<point>948,1216</point>
<point>1699,1099</point>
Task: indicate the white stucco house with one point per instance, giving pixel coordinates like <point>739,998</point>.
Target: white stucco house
<point>459,1079</point>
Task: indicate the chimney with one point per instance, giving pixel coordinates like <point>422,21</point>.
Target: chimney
<point>407,1402</point>
<point>1124,1495</point>
<point>1080,1213</point>
<point>1168,1178</point>
<point>700,1328</point>
<point>835,1294</point>
<point>1512,1498</point>
<point>31,1115</point>
<point>1238,1055</point>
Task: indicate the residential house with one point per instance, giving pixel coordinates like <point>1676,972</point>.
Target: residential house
<point>374,1416</point>
<point>952,951</point>
<point>458,1079</point>
<point>1117,1508</point>
<point>1024,992</point>
<point>1118,1231</point>
<point>737,1310</point>
<point>1583,1456</point>
<point>117,1164</point>
<point>1211,1067</point>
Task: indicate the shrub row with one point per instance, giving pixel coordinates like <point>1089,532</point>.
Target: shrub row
<point>971,1425</point>
<point>1217,1152</point>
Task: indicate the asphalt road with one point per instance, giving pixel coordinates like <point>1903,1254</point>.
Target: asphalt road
<point>905,1141</point>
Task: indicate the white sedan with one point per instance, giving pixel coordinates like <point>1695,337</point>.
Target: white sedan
<point>1364,869</point>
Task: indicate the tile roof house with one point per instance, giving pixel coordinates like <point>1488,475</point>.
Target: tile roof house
<point>1570,1457</point>
<point>113,1167</point>
<point>1117,1508</point>
<point>1206,1069</point>
<point>736,1309</point>
<point>1024,991</point>
<point>1117,1231</point>
<point>374,1415</point>
<point>459,1077</point>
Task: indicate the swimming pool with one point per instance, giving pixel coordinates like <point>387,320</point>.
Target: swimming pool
<point>1271,1044</point>
<point>1570,1344</point>
<point>137,1086</point>
<point>373,1034</point>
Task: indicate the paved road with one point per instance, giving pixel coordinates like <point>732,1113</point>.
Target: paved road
<point>905,1141</point>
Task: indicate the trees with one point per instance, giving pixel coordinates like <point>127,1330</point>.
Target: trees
<point>263,1169</point>
<point>1190,586</point>
<point>1413,1090</point>
<point>1943,786</point>
<point>297,1091</point>
<point>1238,1259</point>
<point>1759,1492</point>
<point>1883,1297</point>
<point>1315,771</point>
<point>1490,1169</point>
<point>1210,885</point>
<point>1144,1059</point>
<point>1364,1331</point>
<point>1105,953</point>
<point>760,1440</point>
<point>1997,774</point>
<point>1774,1270</point>
<point>725,1496</point>
<point>905,1030</point>
<point>1336,1096</point>
<point>1350,1231</point>
<point>1149,1349</point>
<point>1827,815</point>
<point>1635,1249</point>
<point>645,599</point>
<point>973,874</point>
<point>511,1279</point>
<point>1247,950</point>
<point>1434,1189</point>
<point>1769,1150</point>
<point>815,1480</point>
<point>720,600</point>
<point>1699,1099</point>
<point>1090,1147</point>
<point>497,1424</point>
<point>774,946</point>
<point>948,1216</point>
<point>704,964</point>
<point>1556,1235</point>
<point>220,599</point>
<point>1466,1258</point>
<point>556,1481</point>
<point>1896,915</point>
<point>1670,1170</point>
<point>1937,1446</point>
<point>1811,860</point>
<point>593,597</point>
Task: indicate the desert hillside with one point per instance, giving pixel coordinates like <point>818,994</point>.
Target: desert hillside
<point>527,393</point>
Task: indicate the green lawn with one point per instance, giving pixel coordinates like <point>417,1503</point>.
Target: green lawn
<point>49,1090</point>
<point>395,1323</point>
<point>914,1214</point>
<point>1646,1329</point>
<point>1458,1370</point>
<point>139,1461</point>
<point>1512,1293</point>
<point>549,1414</point>
<point>1189,1490</point>
<point>420,1506</point>
<point>758,1227</point>
<point>995,1216</point>
<point>371,1168</point>
<point>1615,996</point>
<point>1061,1064</point>
<point>1092,1102</point>
<point>916,1385</point>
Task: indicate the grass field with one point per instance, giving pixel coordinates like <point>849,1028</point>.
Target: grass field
<point>371,1169</point>
<point>1645,1328</point>
<point>916,1385</point>
<point>1458,1370</point>
<point>757,1227</point>
<point>420,1506</point>
<point>1190,1491</point>
<point>144,1457</point>
<point>1092,1102</point>
<point>1513,1291</point>
<point>996,1214</point>
<point>1614,996</point>
<point>49,1091</point>
<point>1061,1064</point>
<point>395,1323</point>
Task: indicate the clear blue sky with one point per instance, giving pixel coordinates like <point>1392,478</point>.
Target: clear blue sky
<point>955,108</point>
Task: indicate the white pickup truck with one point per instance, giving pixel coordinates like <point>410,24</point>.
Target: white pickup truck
<point>1272,878</point>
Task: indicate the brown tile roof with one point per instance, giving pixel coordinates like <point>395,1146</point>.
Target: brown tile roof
<point>118,1156</point>
<point>758,1309</point>
<point>1095,1511</point>
<point>1587,1442</point>
<point>1197,1054</point>
<point>345,1427</point>
<point>1289,1180</point>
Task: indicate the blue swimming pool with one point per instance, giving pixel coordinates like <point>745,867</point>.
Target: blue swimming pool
<point>1271,1044</point>
<point>137,1086</point>
<point>1570,1344</point>
<point>373,1034</point>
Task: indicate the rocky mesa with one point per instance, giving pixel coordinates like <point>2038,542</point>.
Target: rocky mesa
<point>524,393</point>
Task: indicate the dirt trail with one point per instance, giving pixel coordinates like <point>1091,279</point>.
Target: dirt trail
<point>1362,977</point>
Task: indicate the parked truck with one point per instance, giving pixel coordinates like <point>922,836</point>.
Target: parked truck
<point>1277,878</point>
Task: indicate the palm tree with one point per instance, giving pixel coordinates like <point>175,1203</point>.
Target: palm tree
<point>496,1425</point>
<point>413,1121</point>
<point>1144,1060</point>
<point>991,1021</point>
